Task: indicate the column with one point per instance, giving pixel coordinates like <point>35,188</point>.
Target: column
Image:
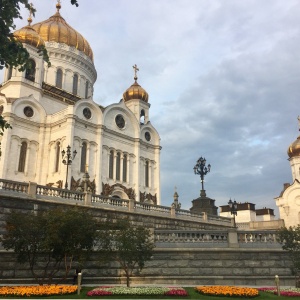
<point>121,166</point>
<point>115,166</point>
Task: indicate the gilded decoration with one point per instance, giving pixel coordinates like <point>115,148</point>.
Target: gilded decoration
<point>135,91</point>
<point>58,184</point>
<point>148,198</point>
<point>107,190</point>
<point>56,29</point>
<point>78,185</point>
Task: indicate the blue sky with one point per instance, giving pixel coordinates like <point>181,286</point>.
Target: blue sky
<point>223,81</point>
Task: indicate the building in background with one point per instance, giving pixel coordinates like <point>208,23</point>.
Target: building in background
<point>288,201</point>
<point>51,108</point>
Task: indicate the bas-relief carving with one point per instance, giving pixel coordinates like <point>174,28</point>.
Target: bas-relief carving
<point>107,190</point>
<point>148,198</point>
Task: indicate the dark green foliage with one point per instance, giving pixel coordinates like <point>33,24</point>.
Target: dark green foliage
<point>290,240</point>
<point>53,238</point>
<point>130,246</point>
<point>12,52</point>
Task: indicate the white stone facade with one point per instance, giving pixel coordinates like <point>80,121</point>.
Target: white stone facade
<point>46,119</point>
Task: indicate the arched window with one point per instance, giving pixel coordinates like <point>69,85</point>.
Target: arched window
<point>75,84</point>
<point>86,89</point>
<point>9,73</point>
<point>111,164</point>
<point>22,158</point>
<point>118,166</point>
<point>83,157</point>
<point>142,117</point>
<point>57,156</point>
<point>59,77</point>
<point>30,71</point>
<point>125,168</point>
<point>147,174</point>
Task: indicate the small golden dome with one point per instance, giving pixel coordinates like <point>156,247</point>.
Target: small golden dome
<point>56,29</point>
<point>294,148</point>
<point>29,36</point>
<point>135,91</point>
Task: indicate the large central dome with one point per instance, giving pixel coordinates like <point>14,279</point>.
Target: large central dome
<point>56,29</point>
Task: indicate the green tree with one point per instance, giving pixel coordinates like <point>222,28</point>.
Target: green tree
<point>12,52</point>
<point>131,246</point>
<point>52,240</point>
<point>290,240</point>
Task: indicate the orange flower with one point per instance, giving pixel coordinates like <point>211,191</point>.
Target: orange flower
<point>37,290</point>
<point>230,291</point>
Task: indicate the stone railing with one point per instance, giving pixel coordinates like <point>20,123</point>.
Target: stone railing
<point>42,190</point>
<point>216,239</point>
<point>250,239</point>
<point>15,186</point>
<point>46,193</point>
<point>190,239</point>
<point>110,201</point>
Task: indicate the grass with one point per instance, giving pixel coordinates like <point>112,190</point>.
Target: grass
<point>190,290</point>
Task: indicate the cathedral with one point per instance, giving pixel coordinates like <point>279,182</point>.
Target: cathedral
<point>59,132</point>
<point>288,201</point>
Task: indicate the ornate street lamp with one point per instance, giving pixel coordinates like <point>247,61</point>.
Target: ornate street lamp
<point>202,170</point>
<point>233,209</point>
<point>68,157</point>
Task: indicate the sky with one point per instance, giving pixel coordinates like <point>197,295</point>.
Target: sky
<point>223,79</point>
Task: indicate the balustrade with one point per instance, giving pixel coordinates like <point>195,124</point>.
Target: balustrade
<point>20,187</point>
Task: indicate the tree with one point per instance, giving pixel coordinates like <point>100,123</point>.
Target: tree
<point>131,246</point>
<point>52,239</point>
<point>12,52</point>
<point>290,240</point>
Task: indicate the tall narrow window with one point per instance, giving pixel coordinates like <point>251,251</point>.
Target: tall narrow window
<point>147,174</point>
<point>111,164</point>
<point>59,77</point>
<point>118,166</point>
<point>142,117</point>
<point>83,157</point>
<point>86,89</point>
<point>57,156</point>
<point>125,168</point>
<point>30,71</point>
<point>75,84</point>
<point>9,73</point>
<point>22,158</point>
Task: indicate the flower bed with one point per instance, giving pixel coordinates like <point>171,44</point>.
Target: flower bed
<point>143,291</point>
<point>227,291</point>
<point>37,290</point>
<point>289,292</point>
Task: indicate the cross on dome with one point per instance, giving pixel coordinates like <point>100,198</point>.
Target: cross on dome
<point>30,14</point>
<point>135,71</point>
<point>58,5</point>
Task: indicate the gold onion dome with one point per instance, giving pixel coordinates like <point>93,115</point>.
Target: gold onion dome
<point>294,148</point>
<point>29,36</point>
<point>135,91</point>
<point>56,29</point>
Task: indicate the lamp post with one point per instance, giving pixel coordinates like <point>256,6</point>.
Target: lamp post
<point>68,157</point>
<point>233,209</point>
<point>201,169</point>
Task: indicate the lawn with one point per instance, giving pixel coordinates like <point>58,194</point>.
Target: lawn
<point>192,295</point>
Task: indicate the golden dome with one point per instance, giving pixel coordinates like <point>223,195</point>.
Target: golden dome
<point>56,29</point>
<point>135,91</point>
<point>29,36</point>
<point>294,148</point>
